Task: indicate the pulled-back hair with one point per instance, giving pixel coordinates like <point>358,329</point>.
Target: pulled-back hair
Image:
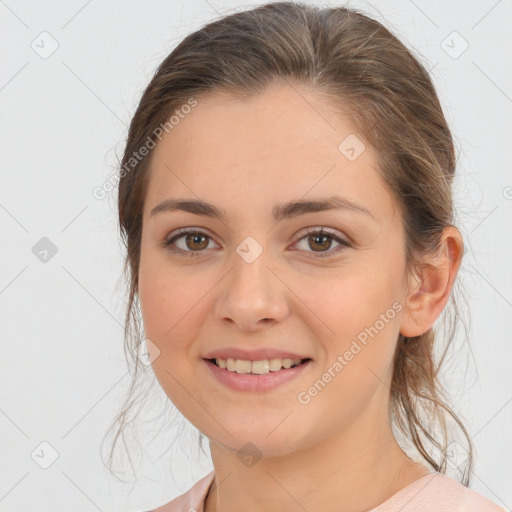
<point>357,64</point>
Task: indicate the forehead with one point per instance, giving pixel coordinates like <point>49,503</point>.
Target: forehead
<point>286,142</point>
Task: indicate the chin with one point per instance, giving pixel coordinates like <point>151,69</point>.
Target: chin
<point>265,439</point>
<point>256,448</point>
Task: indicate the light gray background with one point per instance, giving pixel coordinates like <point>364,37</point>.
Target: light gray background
<point>64,118</point>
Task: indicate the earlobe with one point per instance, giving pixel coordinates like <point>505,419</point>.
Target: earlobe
<point>431,285</point>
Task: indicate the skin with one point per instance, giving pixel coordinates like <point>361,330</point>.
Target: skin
<point>244,156</point>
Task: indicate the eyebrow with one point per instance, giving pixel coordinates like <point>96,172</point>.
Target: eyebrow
<point>279,211</point>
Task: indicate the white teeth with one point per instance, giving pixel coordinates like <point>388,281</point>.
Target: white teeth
<point>258,367</point>
<point>275,364</point>
<point>242,366</point>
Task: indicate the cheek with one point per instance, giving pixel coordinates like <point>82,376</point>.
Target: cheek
<point>169,305</point>
<point>358,342</point>
<point>358,317</point>
<point>343,304</point>
<point>173,306</point>
<point>167,297</point>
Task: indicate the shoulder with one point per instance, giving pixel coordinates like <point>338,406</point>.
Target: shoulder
<point>442,493</point>
<point>192,500</point>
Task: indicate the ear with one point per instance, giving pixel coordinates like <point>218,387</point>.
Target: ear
<point>430,287</point>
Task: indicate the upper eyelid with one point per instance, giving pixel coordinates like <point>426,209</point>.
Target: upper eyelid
<point>181,232</point>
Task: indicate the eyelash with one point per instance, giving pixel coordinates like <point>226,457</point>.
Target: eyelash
<point>314,231</point>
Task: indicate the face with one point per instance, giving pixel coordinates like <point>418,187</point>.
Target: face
<point>250,281</point>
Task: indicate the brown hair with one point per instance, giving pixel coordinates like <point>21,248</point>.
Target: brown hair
<point>360,66</point>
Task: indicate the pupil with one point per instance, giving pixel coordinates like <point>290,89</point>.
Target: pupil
<point>195,238</point>
<point>324,237</point>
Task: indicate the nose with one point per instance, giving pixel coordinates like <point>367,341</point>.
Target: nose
<point>252,296</point>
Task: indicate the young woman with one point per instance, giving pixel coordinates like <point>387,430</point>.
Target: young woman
<point>285,199</point>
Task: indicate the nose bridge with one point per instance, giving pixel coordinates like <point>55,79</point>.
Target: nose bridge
<point>252,291</point>
<point>251,276</point>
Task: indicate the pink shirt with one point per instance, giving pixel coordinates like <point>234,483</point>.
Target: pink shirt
<point>434,492</point>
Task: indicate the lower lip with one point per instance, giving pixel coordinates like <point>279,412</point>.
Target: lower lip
<point>251,382</point>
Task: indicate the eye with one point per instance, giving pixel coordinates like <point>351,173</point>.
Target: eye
<point>323,240</point>
<point>194,242</point>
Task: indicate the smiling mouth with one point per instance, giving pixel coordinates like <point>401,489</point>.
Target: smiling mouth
<point>261,367</point>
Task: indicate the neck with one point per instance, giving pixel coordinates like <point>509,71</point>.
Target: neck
<point>352,472</point>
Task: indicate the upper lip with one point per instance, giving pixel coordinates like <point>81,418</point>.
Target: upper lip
<point>252,355</point>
